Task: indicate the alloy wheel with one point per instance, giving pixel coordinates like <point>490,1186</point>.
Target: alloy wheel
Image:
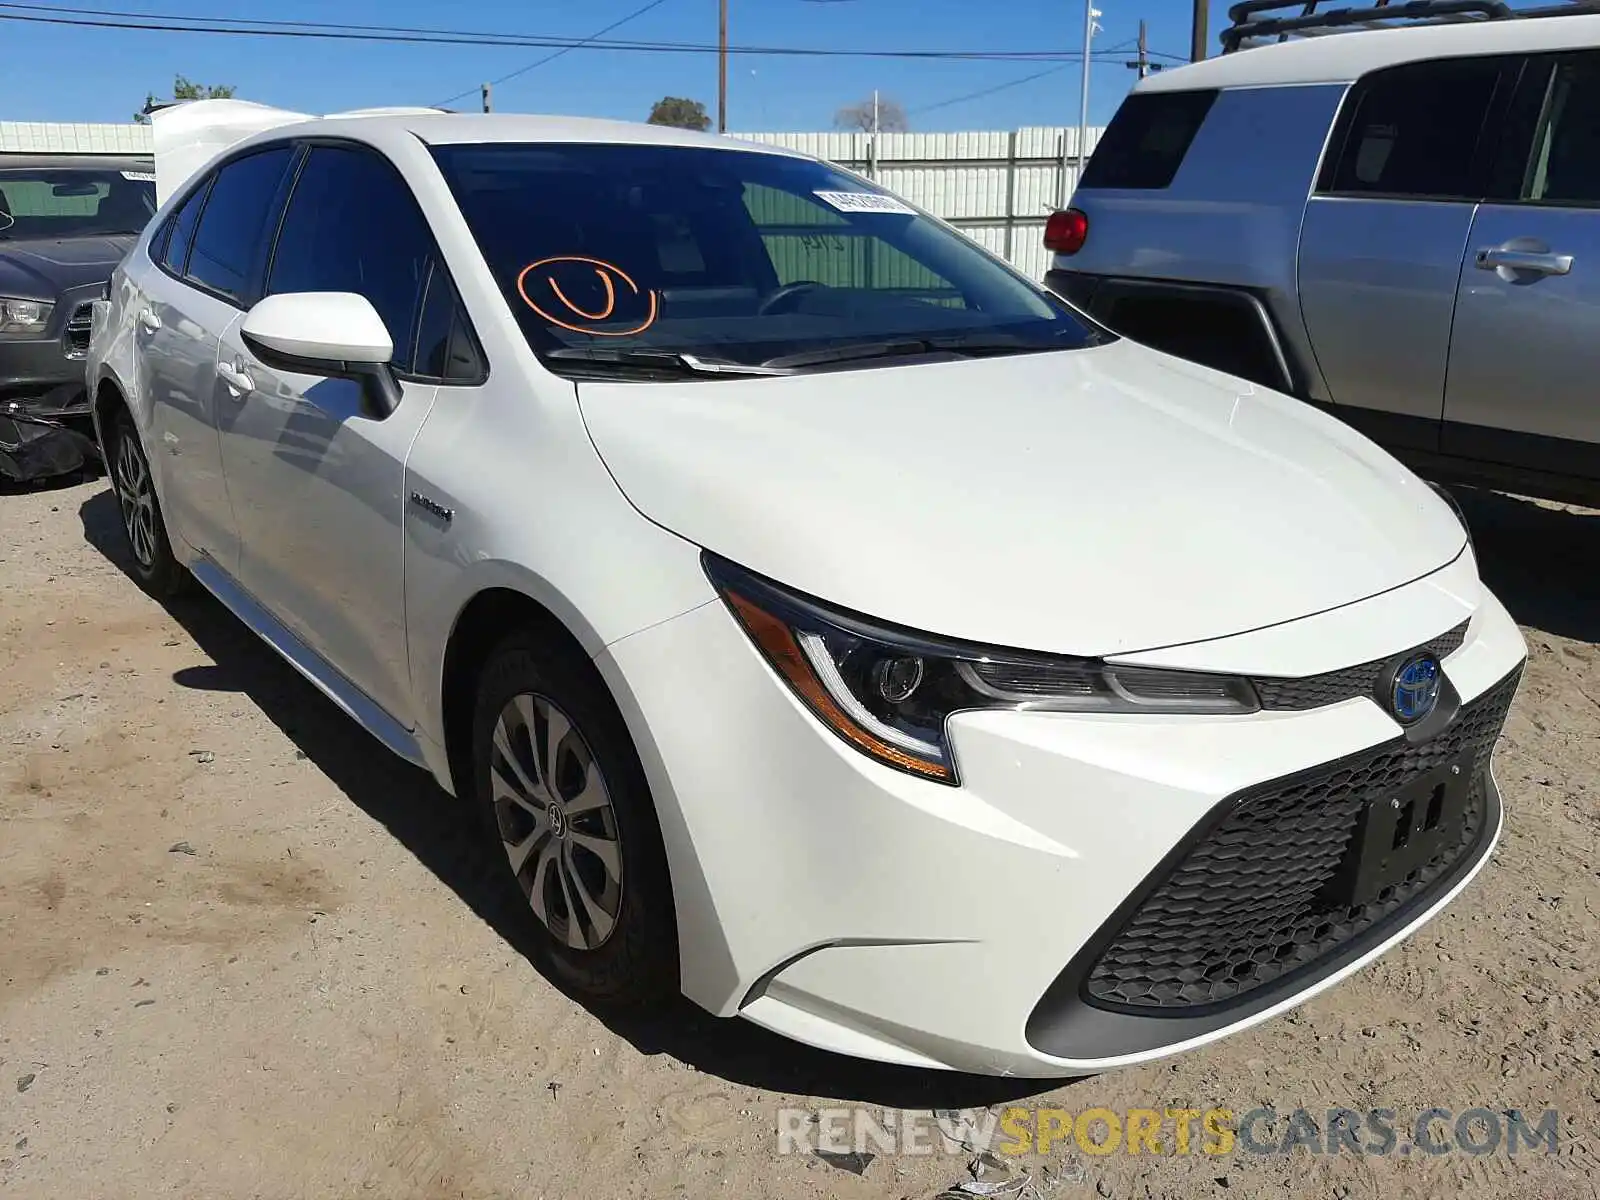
<point>556,821</point>
<point>134,493</point>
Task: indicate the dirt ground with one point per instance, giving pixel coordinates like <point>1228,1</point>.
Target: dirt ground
<point>244,953</point>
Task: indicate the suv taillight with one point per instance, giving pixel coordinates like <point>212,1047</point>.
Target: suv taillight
<point>1066,231</point>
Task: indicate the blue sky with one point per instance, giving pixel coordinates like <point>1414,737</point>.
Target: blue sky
<point>74,74</point>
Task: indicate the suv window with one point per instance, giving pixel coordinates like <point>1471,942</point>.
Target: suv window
<point>1414,130</point>
<point>229,235</point>
<point>180,231</point>
<point>1144,145</point>
<point>352,225</point>
<point>1565,168</point>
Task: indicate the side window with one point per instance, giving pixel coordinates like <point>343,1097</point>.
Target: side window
<point>228,239</point>
<point>1147,139</point>
<point>446,347</point>
<point>352,225</point>
<point>1414,131</point>
<point>180,230</point>
<point>808,242</point>
<point>1565,168</point>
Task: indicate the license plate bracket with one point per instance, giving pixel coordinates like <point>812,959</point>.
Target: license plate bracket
<point>1400,830</point>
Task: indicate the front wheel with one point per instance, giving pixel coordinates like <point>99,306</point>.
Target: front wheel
<point>571,827</point>
<point>154,566</point>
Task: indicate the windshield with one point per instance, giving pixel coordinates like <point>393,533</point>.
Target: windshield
<point>67,202</point>
<point>624,253</point>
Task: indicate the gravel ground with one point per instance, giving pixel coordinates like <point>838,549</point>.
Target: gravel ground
<point>245,953</point>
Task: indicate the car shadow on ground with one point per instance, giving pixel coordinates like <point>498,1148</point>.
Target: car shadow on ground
<point>439,832</point>
<point>1543,562</point>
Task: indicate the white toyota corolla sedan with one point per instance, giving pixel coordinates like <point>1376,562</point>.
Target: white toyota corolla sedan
<point>826,621</point>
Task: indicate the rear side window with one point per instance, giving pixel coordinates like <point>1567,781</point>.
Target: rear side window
<point>1414,131</point>
<point>1144,145</point>
<point>230,234</point>
<point>1566,154</point>
<point>353,226</point>
<point>180,231</point>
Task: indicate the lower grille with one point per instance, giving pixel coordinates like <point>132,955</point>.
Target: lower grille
<point>79,328</point>
<point>1253,900</point>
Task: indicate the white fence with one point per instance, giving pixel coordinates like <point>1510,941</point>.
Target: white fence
<point>997,187</point>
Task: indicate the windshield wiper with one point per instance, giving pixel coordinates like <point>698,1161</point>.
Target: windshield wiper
<point>670,362</point>
<point>902,347</point>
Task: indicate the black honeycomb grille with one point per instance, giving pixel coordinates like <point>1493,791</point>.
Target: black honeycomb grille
<point>1247,905</point>
<point>1315,691</point>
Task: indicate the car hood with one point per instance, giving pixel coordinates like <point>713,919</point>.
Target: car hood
<point>1096,501</point>
<point>43,268</point>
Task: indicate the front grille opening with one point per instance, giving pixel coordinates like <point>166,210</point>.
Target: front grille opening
<point>79,328</point>
<point>1258,898</point>
<point>1331,687</point>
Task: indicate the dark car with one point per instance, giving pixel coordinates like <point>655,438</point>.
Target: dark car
<point>65,223</point>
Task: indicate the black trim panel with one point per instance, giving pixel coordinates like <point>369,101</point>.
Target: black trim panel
<point>1262,362</point>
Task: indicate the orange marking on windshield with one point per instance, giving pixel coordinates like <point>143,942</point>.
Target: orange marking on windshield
<point>611,298</point>
<point>605,271</point>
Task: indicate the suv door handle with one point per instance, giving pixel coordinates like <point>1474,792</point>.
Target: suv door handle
<point>1524,260</point>
<point>238,382</point>
<point>148,319</point>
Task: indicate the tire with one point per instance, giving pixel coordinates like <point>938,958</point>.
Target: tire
<point>592,891</point>
<point>153,564</point>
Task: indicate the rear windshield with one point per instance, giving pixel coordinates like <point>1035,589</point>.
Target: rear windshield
<point>738,255</point>
<point>1144,145</point>
<point>64,202</point>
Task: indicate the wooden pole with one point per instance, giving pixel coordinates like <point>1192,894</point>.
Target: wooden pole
<point>722,67</point>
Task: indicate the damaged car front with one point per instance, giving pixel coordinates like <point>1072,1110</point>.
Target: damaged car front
<point>65,223</point>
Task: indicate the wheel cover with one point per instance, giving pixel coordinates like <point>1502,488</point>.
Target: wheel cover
<point>138,503</point>
<point>556,821</point>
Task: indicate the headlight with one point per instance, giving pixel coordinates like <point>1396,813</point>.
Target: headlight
<point>888,691</point>
<point>20,317</point>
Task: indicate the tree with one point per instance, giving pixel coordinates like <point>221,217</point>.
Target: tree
<point>684,114</point>
<point>185,89</point>
<point>891,116</point>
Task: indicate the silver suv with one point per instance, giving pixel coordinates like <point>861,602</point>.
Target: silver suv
<point>1401,225</point>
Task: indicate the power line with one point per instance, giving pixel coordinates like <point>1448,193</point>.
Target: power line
<point>555,54</point>
<point>240,27</point>
<point>1001,87</point>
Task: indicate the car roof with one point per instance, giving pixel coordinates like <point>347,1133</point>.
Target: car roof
<point>437,128</point>
<point>1345,57</point>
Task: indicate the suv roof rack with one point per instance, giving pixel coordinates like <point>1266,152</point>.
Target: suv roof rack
<point>1254,21</point>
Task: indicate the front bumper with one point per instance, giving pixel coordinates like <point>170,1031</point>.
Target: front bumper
<point>856,908</point>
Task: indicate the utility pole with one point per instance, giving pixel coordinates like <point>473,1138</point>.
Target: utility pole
<point>722,66</point>
<point>1143,65</point>
<point>1197,47</point>
<point>488,97</point>
<point>872,146</point>
<point>1089,14</point>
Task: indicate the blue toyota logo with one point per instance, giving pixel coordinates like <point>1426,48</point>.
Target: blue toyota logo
<point>1416,689</point>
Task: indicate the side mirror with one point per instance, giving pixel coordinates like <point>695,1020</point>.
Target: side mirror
<point>336,334</point>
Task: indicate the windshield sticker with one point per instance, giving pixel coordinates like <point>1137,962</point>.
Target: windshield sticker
<point>865,202</point>
<point>140,176</point>
<point>587,295</point>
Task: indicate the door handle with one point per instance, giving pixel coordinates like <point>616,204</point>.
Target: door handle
<point>239,383</point>
<point>1524,260</point>
<point>149,320</point>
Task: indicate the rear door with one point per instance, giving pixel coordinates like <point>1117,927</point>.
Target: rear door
<point>1384,234</point>
<point>1521,390</point>
<point>206,258</point>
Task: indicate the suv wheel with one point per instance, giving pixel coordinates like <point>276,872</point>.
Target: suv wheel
<point>154,566</point>
<point>571,827</point>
